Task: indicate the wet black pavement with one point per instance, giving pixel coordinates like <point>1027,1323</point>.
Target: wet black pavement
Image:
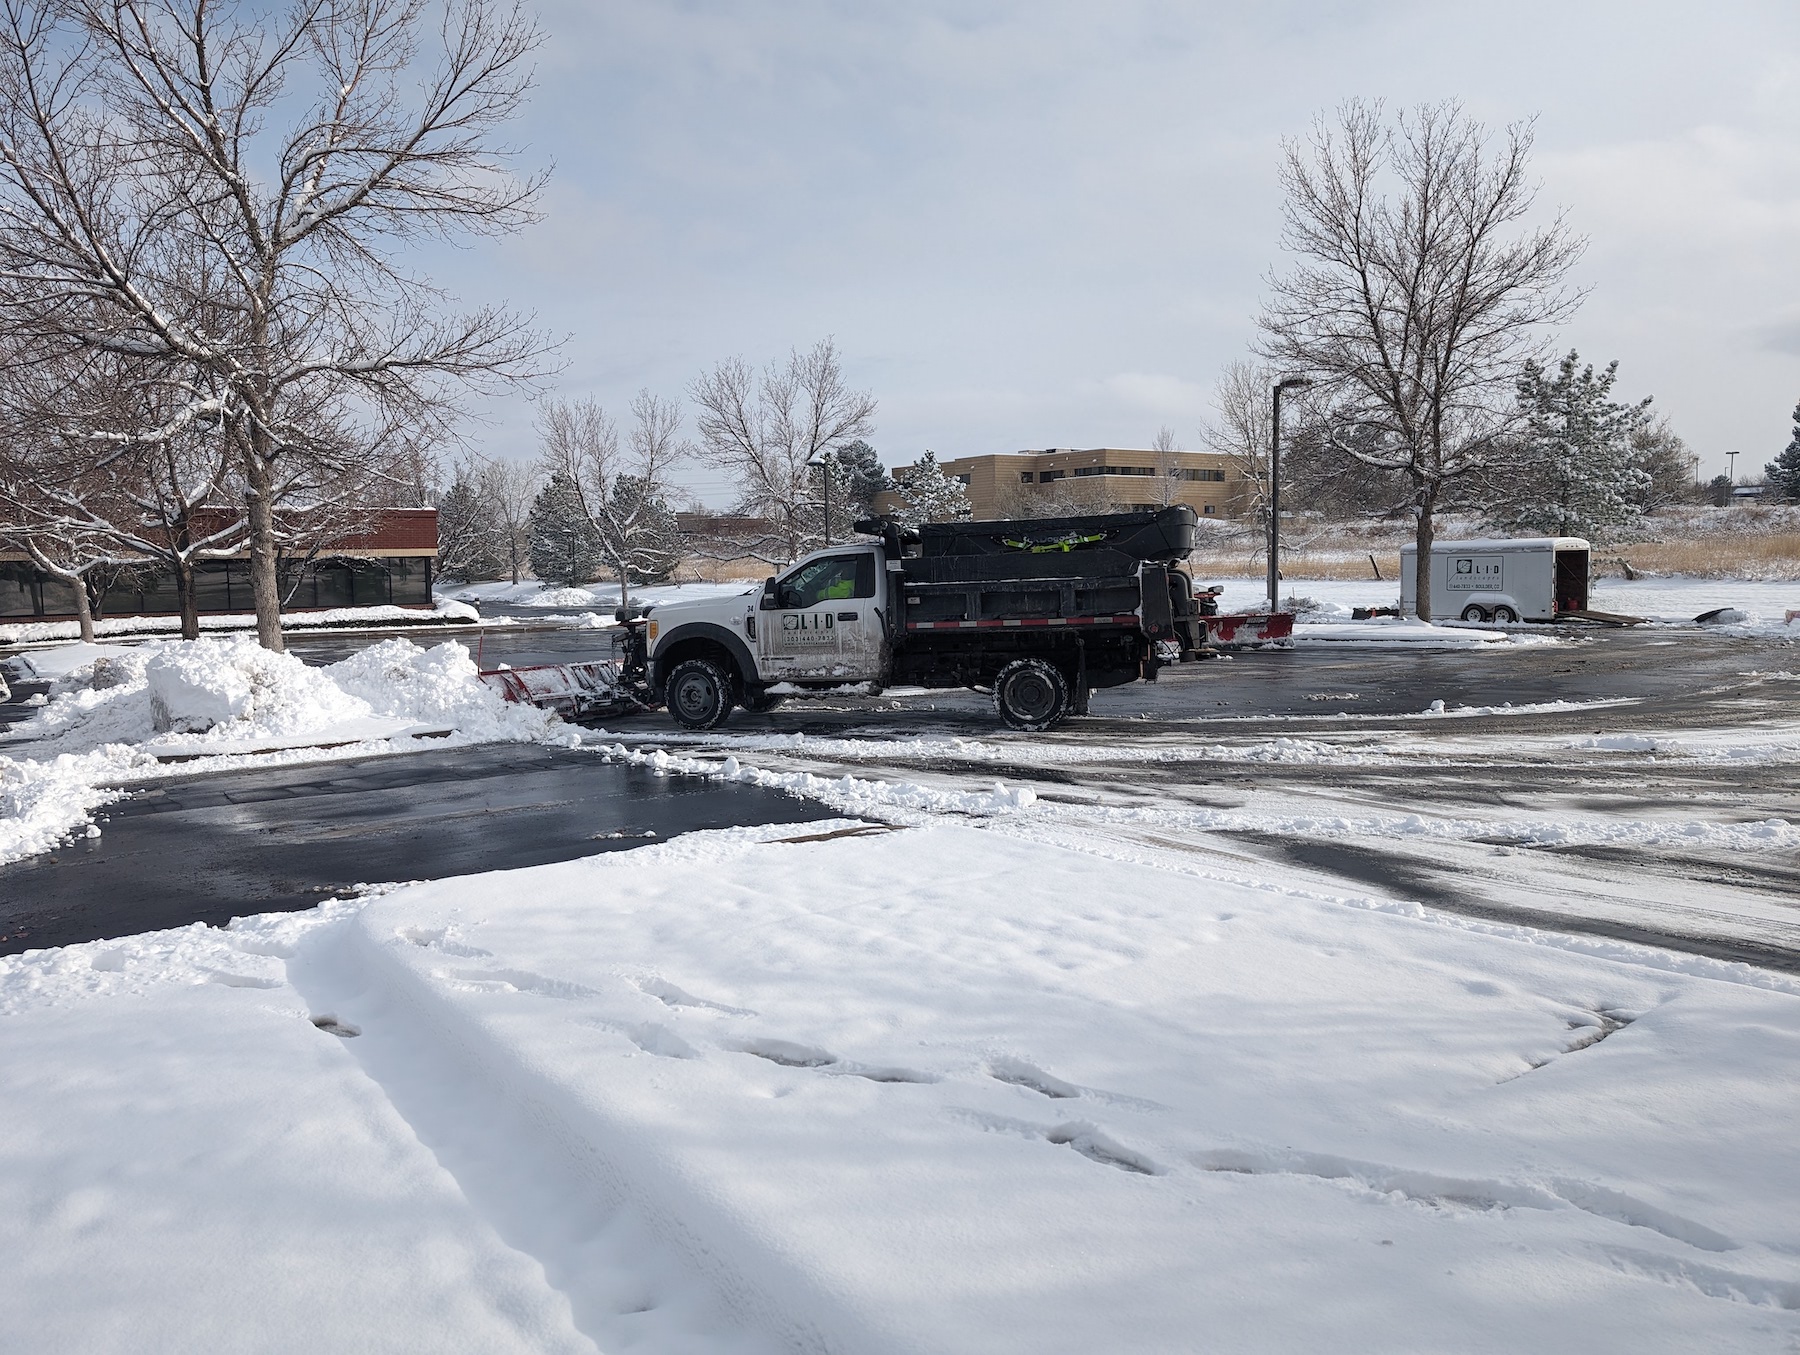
<point>213,848</point>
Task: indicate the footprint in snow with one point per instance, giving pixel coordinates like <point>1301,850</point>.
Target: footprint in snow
<point>789,1054</point>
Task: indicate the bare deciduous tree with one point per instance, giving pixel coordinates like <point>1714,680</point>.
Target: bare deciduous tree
<point>1241,432</point>
<point>111,463</point>
<point>1168,466</point>
<point>622,492</point>
<point>228,189</point>
<point>1418,293</point>
<point>768,430</point>
<point>512,487</point>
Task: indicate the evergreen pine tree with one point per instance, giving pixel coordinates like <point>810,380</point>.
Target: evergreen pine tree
<point>932,496</point>
<point>650,541</point>
<point>1578,472</point>
<point>469,531</point>
<point>862,476</point>
<point>565,550</point>
<point>1783,473</point>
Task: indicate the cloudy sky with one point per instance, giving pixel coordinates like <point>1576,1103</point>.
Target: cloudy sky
<point>1037,223</point>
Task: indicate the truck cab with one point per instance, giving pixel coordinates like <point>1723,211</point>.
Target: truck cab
<point>824,621</point>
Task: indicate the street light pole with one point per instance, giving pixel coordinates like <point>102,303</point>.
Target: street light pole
<point>1287,383</point>
<point>823,462</point>
<point>1731,473</point>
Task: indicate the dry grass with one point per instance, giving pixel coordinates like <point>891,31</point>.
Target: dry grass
<point>1307,565</point>
<point>1775,556</point>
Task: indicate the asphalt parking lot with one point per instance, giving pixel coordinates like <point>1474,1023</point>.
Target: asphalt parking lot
<point>206,849</point>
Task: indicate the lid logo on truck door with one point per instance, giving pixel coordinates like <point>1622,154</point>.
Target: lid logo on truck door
<point>808,628</point>
<point>1475,573</point>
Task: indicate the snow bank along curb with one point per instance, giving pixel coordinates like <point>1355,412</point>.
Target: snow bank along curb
<point>442,612</point>
<point>224,703</point>
<point>911,803</point>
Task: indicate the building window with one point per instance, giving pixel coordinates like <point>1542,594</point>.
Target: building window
<point>960,479</point>
<point>1115,470</point>
<point>1047,476</point>
<point>1025,477</point>
<point>1209,509</point>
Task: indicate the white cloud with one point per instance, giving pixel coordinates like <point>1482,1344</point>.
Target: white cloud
<point>1046,222</point>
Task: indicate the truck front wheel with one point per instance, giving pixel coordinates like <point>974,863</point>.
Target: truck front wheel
<point>1031,694</point>
<point>699,694</point>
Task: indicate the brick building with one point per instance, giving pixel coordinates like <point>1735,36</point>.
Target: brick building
<point>391,562</point>
<point>1094,479</point>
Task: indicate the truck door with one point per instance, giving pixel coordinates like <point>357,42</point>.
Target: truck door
<point>826,622</point>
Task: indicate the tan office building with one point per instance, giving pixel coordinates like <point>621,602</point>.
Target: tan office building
<point>1093,480</point>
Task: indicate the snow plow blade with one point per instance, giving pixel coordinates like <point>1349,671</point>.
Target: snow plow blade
<point>1249,628</point>
<point>575,691</point>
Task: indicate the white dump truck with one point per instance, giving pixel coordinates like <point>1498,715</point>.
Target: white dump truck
<point>1040,613</point>
<point>1525,579</point>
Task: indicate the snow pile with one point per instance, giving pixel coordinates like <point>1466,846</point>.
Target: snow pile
<point>217,703</point>
<point>561,597</point>
<point>240,687</point>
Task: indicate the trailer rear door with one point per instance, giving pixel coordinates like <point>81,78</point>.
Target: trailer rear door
<point>1571,581</point>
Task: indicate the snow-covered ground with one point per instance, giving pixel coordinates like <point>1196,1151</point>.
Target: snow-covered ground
<point>1668,601</point>
<point>603,596</point>
<point>120,714</point>
<point>1034,1063</point>
<point>941,1088</point>
<point>443,611</point>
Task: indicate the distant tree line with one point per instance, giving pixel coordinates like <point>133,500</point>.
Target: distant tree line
<point>792,437</point>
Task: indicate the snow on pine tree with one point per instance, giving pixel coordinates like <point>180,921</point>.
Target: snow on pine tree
<point>565,548</point>
<point>469,530</point>
<point>648,542</point>
<point>931,496</point>
<point>1783,473</point>
<point>1578,472</point>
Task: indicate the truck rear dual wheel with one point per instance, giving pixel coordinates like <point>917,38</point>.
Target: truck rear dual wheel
<point>1031,695</point>
<point>700,694</point>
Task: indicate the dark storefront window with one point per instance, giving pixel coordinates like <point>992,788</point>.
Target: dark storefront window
<point>224,586</point>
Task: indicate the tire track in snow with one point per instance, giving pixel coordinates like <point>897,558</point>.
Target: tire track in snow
<point>642,1260</point>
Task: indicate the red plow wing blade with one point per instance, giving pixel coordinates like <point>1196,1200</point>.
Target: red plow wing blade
<point>1250,628</point>
<point>573,690</point>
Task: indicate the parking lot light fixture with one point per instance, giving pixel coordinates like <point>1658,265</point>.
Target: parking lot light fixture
<point>1287,383</point>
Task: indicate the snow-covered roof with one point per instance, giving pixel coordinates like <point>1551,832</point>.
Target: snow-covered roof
<point>1505,543</point>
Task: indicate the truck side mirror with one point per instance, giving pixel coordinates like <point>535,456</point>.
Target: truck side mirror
<point>770,597</point>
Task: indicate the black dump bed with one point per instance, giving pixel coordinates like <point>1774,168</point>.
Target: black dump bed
<point>1094,569</point>
<point>1155,534</point>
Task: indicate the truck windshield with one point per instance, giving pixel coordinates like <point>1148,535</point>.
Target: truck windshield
<point>832,579</point>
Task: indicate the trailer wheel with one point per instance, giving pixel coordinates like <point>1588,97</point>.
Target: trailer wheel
<point>1474,613</point>
<point>1031,695</point>
<point>1505,615</point>
<point>699,694</point>
<point>760,702</point>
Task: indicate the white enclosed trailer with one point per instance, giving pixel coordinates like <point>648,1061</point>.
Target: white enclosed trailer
<point>1529,579</point>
